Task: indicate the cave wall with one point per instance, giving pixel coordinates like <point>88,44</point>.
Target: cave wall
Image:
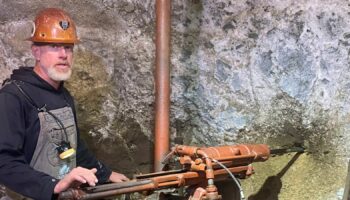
<point>248,71</point>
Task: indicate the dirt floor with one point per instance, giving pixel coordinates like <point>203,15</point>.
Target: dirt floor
<point>294,177</point>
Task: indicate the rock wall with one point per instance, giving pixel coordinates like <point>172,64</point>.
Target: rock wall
<point>250,71</point>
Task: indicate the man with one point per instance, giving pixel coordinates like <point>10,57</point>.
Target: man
<point>41,153</point>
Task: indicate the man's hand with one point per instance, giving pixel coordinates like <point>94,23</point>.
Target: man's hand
<point>117,177</point>
<point>75,178</point>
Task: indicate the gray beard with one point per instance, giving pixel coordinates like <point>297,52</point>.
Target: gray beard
<point>58,76</point>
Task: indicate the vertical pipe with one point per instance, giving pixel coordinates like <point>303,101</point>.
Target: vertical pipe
<point>162,82</point>
<point>346,195</point>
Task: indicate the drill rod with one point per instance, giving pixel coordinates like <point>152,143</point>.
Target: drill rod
<point>287,150</point>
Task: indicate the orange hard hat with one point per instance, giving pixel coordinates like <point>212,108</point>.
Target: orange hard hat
<point>53,25</point>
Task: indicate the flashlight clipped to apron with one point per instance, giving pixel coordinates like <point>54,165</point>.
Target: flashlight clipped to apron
<point>64,149</point>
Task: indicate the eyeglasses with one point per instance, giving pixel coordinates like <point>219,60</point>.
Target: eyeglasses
<point>57,47</point>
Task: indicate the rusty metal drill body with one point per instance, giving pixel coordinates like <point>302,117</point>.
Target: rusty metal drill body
<point>200,169</point>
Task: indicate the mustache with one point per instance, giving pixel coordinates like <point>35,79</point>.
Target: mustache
<point>63,63</point>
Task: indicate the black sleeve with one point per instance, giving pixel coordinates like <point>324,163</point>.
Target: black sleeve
<point>15,172</point>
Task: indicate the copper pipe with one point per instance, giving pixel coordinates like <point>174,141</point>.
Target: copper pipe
<point>162,82</point>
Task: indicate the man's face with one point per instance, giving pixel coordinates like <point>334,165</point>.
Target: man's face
<point>55,60</point>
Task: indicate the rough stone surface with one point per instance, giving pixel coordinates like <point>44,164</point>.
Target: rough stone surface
<point>250,71</point>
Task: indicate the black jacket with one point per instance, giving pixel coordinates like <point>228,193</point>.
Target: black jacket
<point>19,129</point>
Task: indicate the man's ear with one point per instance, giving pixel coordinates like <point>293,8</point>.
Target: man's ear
<point>36,52</point>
